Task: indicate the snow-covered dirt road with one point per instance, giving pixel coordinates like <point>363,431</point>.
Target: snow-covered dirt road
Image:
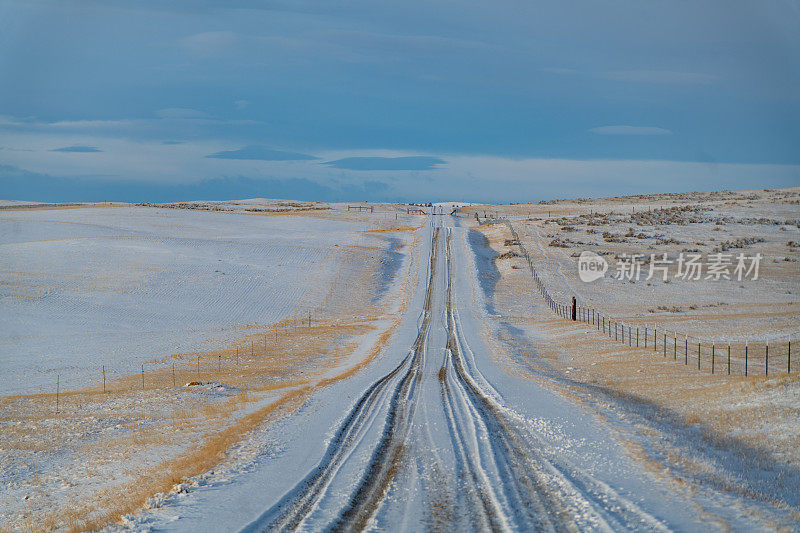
<point>437,433</point>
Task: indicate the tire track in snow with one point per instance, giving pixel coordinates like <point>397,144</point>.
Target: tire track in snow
<point>388,455</point>
<point>528,502</point>
<point>509,479</point>
<point>542,492</point>
<point>290,512</point>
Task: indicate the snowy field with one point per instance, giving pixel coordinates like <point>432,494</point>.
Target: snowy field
<point>689,420</point>
<point>120,286</point>
<point>742,222</point>
<point>433,389</point>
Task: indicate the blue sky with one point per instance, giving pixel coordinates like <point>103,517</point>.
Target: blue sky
<point>368,100</point>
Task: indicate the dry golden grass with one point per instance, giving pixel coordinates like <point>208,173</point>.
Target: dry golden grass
<point>729,410</point>
<point>54,207</point>
<point>277,369</point>
<point>711,310</point>
<point>399,228</point>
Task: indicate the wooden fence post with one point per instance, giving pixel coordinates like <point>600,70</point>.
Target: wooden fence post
<point>766,359</point>
<point>745,358</point>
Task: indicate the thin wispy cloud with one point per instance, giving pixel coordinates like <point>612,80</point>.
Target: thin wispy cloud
<point>261,153</point>
<point>387,163</point>
<point>660,76</point>
<point>77,148</point>
<point>560,70</point>
<point>210,43</point>
<point>180,112</point>
<point>629,130</point>
<point>359,85</point>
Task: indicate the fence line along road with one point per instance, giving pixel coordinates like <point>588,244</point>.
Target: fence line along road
<point>746,358</point>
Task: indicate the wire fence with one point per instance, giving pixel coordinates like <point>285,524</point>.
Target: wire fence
<point>744,358</point>
<point>233,364</point>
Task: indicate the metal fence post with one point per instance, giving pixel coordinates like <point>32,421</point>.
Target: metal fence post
<point>712,357</point>
<point>729,359</point>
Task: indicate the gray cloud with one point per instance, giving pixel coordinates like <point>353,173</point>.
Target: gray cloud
<point>82,149</point>
<point>559,70</point>
<point>387,163</point>
<point>629,130</point>
<point>210,43</point>
<point>21,184</point>
<point>180,112</point>
<point>261,153</point>
<point>660,76</point>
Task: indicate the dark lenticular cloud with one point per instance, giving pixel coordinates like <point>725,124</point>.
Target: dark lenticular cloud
<point>387,163</point>
<point>261,153</point>
<point>82,149</point>
<point>18,182</point>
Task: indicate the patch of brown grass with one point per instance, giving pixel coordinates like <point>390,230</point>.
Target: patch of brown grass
<point>391,230</point>
<point>289,358</point>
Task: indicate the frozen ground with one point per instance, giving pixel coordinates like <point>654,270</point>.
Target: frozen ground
<point>434,393</point>
<point>80,463</point>
<point>81,288</point>
<point>444,430</point>
<point>749,222</point>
